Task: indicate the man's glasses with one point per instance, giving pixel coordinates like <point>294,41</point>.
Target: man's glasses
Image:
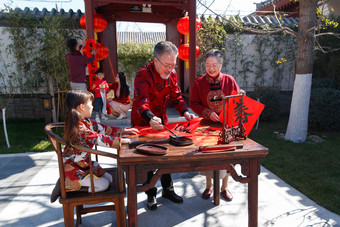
<point>167,67</point>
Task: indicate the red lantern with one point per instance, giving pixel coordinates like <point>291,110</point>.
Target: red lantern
<point>99,23</point>
<point>183,25</point>
<point>86,50</point>
<point>183,52</point>
<point>102,51</point>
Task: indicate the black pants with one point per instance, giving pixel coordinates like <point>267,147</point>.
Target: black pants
<point>166,182</point>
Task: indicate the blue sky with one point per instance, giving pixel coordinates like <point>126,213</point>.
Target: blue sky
<point>228,7</point>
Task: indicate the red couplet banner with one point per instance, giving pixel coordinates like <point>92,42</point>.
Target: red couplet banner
<point>92,67</point>
<point>246,109</point>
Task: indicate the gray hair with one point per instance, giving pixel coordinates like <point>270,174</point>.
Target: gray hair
<point>165,47</point>
<point>214,53</point>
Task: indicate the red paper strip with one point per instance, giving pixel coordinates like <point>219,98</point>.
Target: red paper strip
<point>219,150</point>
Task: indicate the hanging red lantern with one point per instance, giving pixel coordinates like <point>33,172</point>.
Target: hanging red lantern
<point>183,52</point>
<point>99,23</point>
<point>183,25</point>
<point>102,51</point>
<point>86,50</point>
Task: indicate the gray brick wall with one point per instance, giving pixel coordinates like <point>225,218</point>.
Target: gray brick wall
<point>25,107</point>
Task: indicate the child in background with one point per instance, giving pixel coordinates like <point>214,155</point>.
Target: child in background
<point>81,131</point>
<point>100,87</point>
<point>120,105</point>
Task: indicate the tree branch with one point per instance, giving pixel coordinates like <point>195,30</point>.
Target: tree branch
<point>252,30</point>
<point>325,50</point>
<point>337,35</point>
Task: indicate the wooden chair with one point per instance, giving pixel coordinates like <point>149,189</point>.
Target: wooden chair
<point>115,193</point>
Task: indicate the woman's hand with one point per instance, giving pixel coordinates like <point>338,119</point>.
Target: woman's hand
<point>214,117</point>
<point>241,92</point>
<point>94,51</point>
<point>188,116</point>
<point>125,141</point>
<point>83,43</point>
<point>131,131</point>
<point>156,123</point>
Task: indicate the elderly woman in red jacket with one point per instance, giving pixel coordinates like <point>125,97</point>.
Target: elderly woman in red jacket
<point>154,85</point>
<point>206,101</point>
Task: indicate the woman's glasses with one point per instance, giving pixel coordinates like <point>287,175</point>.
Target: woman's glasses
<point>170,67</point>
<point>214,66</point>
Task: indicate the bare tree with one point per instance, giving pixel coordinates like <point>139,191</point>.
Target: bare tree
<point>308,32</point>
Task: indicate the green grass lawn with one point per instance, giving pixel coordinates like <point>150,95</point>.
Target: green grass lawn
<point>24,136</point>
<point>311,168</point>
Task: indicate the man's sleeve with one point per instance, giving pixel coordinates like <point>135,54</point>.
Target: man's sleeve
<point>88,60</point>
<point>142,86</point>
<point>176,98</point>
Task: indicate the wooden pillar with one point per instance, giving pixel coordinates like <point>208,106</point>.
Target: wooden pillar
<point>173,36</point>
<point>192,44</point>
<point>89,10</point>
<point>110,41</point>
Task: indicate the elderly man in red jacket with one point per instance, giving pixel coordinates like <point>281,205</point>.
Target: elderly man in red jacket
<point>154,85</point>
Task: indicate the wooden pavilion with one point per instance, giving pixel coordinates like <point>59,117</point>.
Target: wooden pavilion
<point>167,12</point>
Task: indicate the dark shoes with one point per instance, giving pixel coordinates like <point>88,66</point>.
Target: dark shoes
<point>226,194</point>
<point>152,202</point>
<point>56,192</point>
<point>172,196</point>
<point>207,193</point>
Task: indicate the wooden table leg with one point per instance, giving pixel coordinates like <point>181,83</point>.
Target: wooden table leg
<point>253,193</point>
<point>132,197</point>
<point>216,187</point>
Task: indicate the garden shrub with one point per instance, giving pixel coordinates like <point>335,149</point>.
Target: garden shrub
<point>132,57</point>
<point>324,83</point>
<point>270,98</point>
<point>324,109</point>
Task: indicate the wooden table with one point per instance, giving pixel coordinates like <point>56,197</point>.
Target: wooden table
<point>190,159</point>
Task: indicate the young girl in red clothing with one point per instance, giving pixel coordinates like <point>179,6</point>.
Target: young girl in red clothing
<point>80,130</point>
<point>121,104</point>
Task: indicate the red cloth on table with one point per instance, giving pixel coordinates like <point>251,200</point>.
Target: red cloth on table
<point>200,134</point>
<point>187,128</point>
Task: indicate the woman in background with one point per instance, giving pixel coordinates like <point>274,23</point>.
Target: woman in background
<point>120,105</point>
